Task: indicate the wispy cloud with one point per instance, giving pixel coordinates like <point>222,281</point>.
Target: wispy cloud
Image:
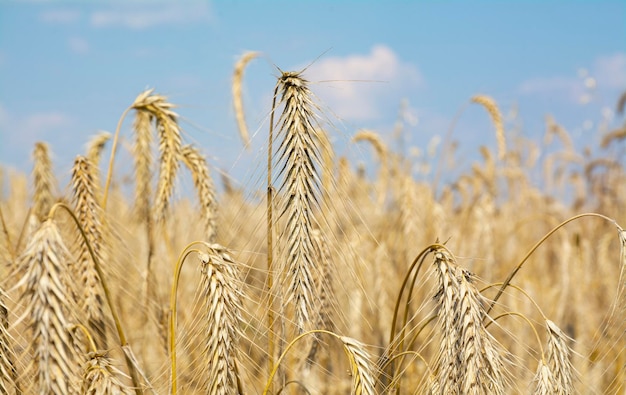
<point>606,74</point>
<point>33,127</point>
<point>61,16</point>
<point>610,71</point>
<point>78,45</point>
<point>361,84</point>
<point>150,16</point>
<point>567,86</point>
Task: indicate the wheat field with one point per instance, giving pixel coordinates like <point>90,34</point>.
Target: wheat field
<point>319,277</point>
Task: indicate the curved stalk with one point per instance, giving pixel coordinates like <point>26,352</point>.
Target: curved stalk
<point>534,248</point>
<point>112,157</point>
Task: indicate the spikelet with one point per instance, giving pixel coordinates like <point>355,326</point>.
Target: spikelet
<point>205,188</point>
<point>48,310</point>
<point>496,118</point>
<point>237,100</point>
<point>222,306</point>
<point>88,213</point>
<point>298,157</point>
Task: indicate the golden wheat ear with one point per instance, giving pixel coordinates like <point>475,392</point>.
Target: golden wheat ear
<point>205,188</point>
<point>43,181</point>
<point>48,302</point>
<point>157,108</point>
<point>9,383</point>
<point>240,66</point>
<point>89,215</point>
<point>496,118</point>
<point>468,359</point>
<point>222,307</point>
<point>298,159</point>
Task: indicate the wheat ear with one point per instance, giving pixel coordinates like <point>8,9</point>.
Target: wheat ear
<point>43,181</point>
<point>95,146</point>
<point>99,375</point>
<point>383,157</point>
<point>205,188</point>
<point>364,379</point>
<point>496,118</point>
<point>558,355</point>
<point>88,213</point>
<point>8,372</point>
<point>48,306</point>
<point>170,145</point>
<point>222,306</point>
<point>298,156</point>
<point>468,361</point>
<point>543,381</point>
<point>143,158</point>
<point>237,99</point>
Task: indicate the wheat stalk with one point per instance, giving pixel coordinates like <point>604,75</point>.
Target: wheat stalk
<point>49,305</point>
<point>88,213</point>
<point>237,99</point>
<point>496,118</point>
<point>205,188</point>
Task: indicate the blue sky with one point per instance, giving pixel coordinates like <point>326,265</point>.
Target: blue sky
<point>68,70</point>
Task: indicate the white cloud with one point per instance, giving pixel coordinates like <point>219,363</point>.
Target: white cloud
<point>78,45</point>
<point>362,83</point>
<point>142,18</point>
<point>62,16</point>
